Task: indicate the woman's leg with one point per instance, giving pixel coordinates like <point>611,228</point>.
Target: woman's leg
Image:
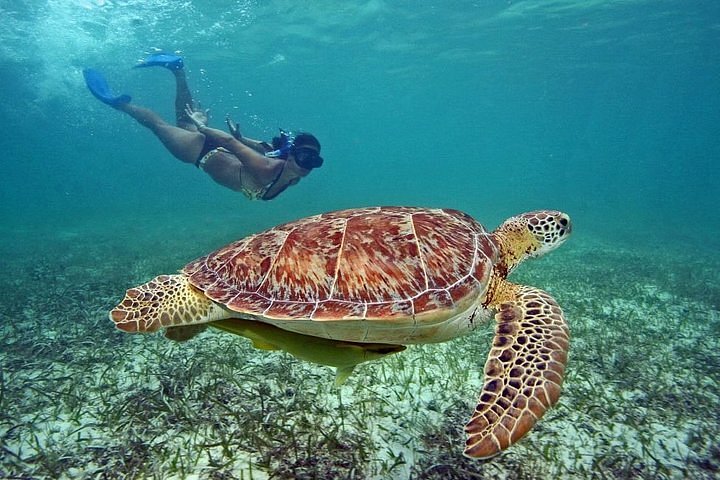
<point>184,144</point>
<point>183,97</point>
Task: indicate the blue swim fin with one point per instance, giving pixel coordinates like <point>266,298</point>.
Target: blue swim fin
<point>167,60</point>
<point>99,87</point>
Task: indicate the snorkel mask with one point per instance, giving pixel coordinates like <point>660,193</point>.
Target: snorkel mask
<point>305,156</point>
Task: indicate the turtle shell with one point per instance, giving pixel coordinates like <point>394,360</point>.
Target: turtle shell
<point>383,274</point>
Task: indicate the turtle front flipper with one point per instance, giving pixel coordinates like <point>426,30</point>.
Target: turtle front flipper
<point>165,301</point>
<point>523,373</point>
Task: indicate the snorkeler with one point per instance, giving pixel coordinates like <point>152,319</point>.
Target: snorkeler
<point>257,169</point>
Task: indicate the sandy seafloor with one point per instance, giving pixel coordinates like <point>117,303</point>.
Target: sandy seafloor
<point>79,399</point>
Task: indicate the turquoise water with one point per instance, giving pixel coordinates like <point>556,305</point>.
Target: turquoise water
<point>608,110</point>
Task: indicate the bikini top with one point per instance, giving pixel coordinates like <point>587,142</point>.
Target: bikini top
<point>267,192</point>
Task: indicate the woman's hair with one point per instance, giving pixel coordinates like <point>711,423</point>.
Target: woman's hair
<point>304,138</point>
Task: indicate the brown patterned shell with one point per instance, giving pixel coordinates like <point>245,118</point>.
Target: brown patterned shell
<point>387,264</point>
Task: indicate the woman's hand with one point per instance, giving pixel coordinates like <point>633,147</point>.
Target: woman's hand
<point>198,117</point>
<point>234,128</point>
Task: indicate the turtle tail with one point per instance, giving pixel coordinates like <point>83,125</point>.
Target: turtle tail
<point>523,373</point>
<point>165,301</point>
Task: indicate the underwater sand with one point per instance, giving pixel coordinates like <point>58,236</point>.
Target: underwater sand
<point>79,399</point>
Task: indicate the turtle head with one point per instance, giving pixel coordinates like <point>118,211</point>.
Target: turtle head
<point>550,229</point>
<point>531,234</point>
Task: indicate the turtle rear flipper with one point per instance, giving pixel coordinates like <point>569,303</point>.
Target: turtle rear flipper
<point>523,373</point>
<point>165,301</point>
<point>184,333</point>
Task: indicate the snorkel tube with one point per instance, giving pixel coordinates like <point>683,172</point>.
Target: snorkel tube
<point>287,142</point>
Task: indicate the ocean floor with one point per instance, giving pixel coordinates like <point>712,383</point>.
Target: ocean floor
<point>79,399</point>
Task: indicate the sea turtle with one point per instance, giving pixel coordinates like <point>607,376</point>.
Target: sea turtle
<point>394,276</point>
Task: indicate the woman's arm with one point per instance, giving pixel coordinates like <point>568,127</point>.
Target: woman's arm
<point>258,164</point>
<point>257,145</point>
